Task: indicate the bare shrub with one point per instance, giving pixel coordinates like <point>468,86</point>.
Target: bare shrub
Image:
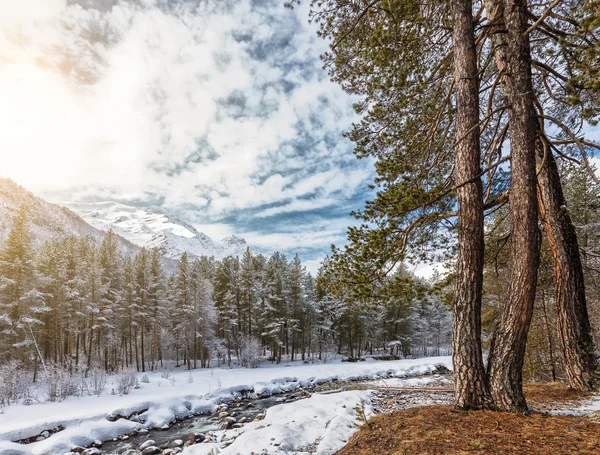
<point>97,381</point>
<point>14,383</point>
<point>125,381</point>
<point>145,379</point>
<point>250,351</point>
<point>56,383</point>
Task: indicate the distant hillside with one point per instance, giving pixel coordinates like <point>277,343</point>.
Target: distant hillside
<point>47,220</point>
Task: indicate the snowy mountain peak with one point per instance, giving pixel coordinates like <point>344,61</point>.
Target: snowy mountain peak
<point>152,227</point>
<point>234,240</point>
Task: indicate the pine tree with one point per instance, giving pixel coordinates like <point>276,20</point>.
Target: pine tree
<point>16,272</point>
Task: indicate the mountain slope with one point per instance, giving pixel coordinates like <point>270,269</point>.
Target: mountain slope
<point>152,227</point>
<point>47,220</point>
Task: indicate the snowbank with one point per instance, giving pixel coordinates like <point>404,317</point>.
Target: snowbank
<point>322,423</point>
<point>162,400</point>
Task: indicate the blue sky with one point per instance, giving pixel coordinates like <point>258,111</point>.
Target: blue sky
<point>217,111</point>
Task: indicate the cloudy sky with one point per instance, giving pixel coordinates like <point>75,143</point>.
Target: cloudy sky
<point>217,111</point>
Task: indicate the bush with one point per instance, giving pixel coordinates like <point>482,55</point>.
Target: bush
<point>13,382</point>
<point>56,383</point>
<point>125,381</point>
<point>250,352</point>
<point>97,381</point>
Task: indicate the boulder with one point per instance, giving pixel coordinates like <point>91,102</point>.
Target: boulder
<point>152,450</point>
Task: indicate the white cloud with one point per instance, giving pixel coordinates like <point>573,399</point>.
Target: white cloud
<point>293,241</point>
<point>177,102</point>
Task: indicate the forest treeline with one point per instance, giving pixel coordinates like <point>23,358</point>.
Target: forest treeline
<point>84,306</point>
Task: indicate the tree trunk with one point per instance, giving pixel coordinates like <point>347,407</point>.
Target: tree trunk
<point>470,390</point>
<point>508,348</point>
<point>549,336</point>
<point>576,337</point>
<point>154,336</point>
<point>142,348</point>
<point>573,320</point>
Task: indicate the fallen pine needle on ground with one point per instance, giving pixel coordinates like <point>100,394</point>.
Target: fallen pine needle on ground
<point>432,430</point>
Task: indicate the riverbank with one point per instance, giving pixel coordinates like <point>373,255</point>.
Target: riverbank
<point>162,401</point>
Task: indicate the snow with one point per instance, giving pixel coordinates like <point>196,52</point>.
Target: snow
<point>152,227</point>
<point>323,422</point>
<point>587,407</point>
<point>421,381</point>
<point>160,401</point>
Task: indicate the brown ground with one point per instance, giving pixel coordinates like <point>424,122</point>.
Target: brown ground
<point>552,395</point>
<point>433,430</point>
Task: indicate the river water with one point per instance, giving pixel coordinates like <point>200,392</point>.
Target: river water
<point>183,429</point>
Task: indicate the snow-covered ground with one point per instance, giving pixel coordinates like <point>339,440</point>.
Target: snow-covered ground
<point>162,400</point>
<point>587,407</point>
<point>319,425</point>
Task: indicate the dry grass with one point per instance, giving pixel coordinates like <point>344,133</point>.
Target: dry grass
<point>436,430</point>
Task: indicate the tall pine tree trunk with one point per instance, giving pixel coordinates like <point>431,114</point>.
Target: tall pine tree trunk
<point>142,348</point>
<point>573,320</point>
<point>470,390</point>
<point>507,352</point>
<point>154,336</point>
<point>548,335</point>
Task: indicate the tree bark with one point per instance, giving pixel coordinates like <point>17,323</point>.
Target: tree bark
<point>548,336</point>
<point>574,327</point>
<point>507,352</point>
<point>470,389</point>
<point>573,321</point>
<point>154,335</point>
